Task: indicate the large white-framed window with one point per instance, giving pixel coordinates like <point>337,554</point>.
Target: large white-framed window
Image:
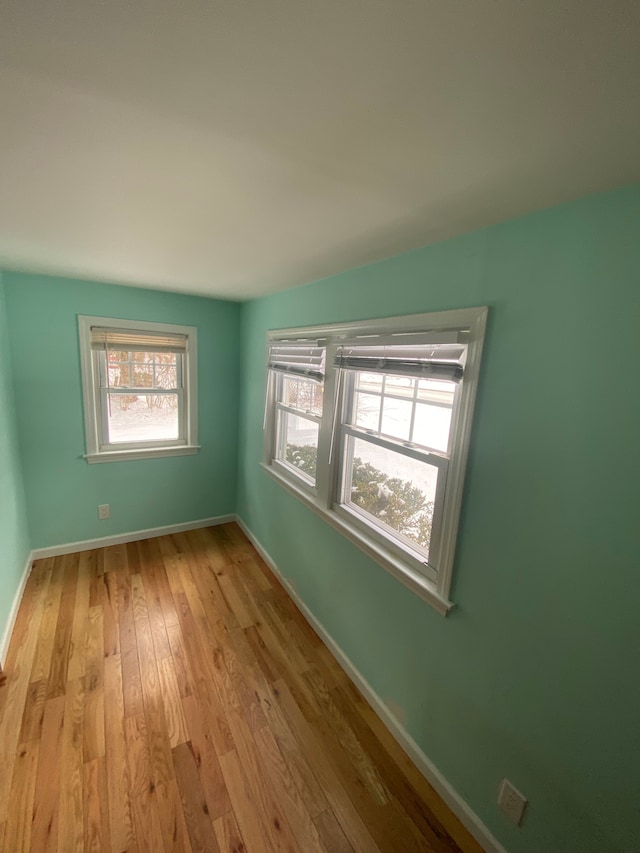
<point>369,423</point>
<point>139,383</point>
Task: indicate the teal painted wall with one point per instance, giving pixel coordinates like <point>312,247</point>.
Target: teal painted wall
<point>534,676</point>
<point>62,490</point>
<point>14,538</point>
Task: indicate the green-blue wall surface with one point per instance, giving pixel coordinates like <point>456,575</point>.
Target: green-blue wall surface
<point>534,676</point>
<point>62,490</point>
<point>14,539</point>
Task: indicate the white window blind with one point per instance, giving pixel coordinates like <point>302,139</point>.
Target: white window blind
<point>299,358</point>
<point>129,340</point>
<point>427,361</point>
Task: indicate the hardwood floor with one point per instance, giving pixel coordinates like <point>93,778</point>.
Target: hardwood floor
<point>167,695</point>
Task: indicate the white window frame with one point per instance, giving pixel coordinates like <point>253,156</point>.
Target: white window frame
<point>325,498</point>
<point>97,447</point>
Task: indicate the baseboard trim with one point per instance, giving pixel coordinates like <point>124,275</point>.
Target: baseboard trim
<point>454,801</point>
<point>134,536</point>
<point>13,613</point>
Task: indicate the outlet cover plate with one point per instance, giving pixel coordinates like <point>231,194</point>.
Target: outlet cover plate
<point>104,511</point>
<point>512,802</point>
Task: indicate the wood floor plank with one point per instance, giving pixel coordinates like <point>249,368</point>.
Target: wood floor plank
<point>158,731</point>
<point>44,650</point>
<point>131,681</point>
<point>180,661</point>
<point>207,760</point>
<point>97,838</point>
<point>144,801</point>
<point>64,626</point>
<point>245,808</point>
<point>194,802</point>
<point>118,784</point>
<point>168,696</point>
<point>33,711</point>
<point>228,834</point>
<point>288,796</point>
<point>174,827</point>
<point>350,820</point>
<point>94,718</point>
<point>173,711</point>
<point>71,804</point>
<point>21,797</point>
<point>18,670</point>
<point>78,644</point>
<point>331,833</point>
<point>47,795</point>
<point>271,811</point>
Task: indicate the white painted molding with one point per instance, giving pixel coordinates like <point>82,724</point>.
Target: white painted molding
<point>428,769</point>
<point>120,538</point>
<point>13,613</point>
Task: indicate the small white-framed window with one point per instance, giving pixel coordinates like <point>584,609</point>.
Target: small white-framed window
<point>139,383</point>
<point>296,376</point>
<point>369,423</point>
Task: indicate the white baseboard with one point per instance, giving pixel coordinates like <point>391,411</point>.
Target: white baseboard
<point>134,536</point>
<point>13,613</point>
<point>458,806</point>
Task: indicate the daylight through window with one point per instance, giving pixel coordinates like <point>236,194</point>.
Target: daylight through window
<point>369,424</point>
<point>139,387</point>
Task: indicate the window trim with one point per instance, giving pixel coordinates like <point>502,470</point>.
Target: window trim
<point>92,396</point>
<point>320,499</point>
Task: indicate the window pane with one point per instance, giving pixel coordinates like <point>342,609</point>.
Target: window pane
<point>394,489</point>
<point>400,385</point>
<point>436,391</point>
<point>367,413</point>
<point>396,417</point>
<point>431,426</point>
<point>165,375</point>
<point>119,374</point>
<point>369,382</point>
<point>142,376</point>
<point>142,417</point>
<point>303,394</point>
<point>300,439</point>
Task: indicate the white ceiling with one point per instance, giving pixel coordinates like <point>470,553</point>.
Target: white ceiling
<point>237,147</point>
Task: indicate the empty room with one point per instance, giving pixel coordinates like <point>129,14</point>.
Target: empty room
<point>319,330</point>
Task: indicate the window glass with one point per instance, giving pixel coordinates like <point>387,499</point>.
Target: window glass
<point>395,489</point>
<point>142,417</point>
<point>367,411</point>
<point>303,394</point>
<point>431,426</point>
<point>300,443</point>
<point>396,418</point>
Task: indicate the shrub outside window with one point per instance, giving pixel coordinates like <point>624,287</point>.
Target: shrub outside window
<point>369,424</point>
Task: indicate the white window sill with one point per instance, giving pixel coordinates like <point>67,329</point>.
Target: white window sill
<point>141,453</point>
<point>419,585</point>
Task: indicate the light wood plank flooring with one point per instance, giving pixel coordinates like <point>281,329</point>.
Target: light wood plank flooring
<point>167,695</point>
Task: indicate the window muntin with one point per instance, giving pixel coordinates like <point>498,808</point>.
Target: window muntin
<point>139,388</point>
<point>398,396</point>
<point>404,407</point>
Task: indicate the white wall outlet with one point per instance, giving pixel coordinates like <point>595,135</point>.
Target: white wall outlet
<point>104,511</point>
<point>511,802</point>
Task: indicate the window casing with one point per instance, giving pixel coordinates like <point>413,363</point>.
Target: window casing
<point>379,447</point>
<point>139,388</point>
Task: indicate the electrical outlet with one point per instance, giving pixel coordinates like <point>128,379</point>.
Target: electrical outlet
<point>511,802</point>
<point>104,511</point>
